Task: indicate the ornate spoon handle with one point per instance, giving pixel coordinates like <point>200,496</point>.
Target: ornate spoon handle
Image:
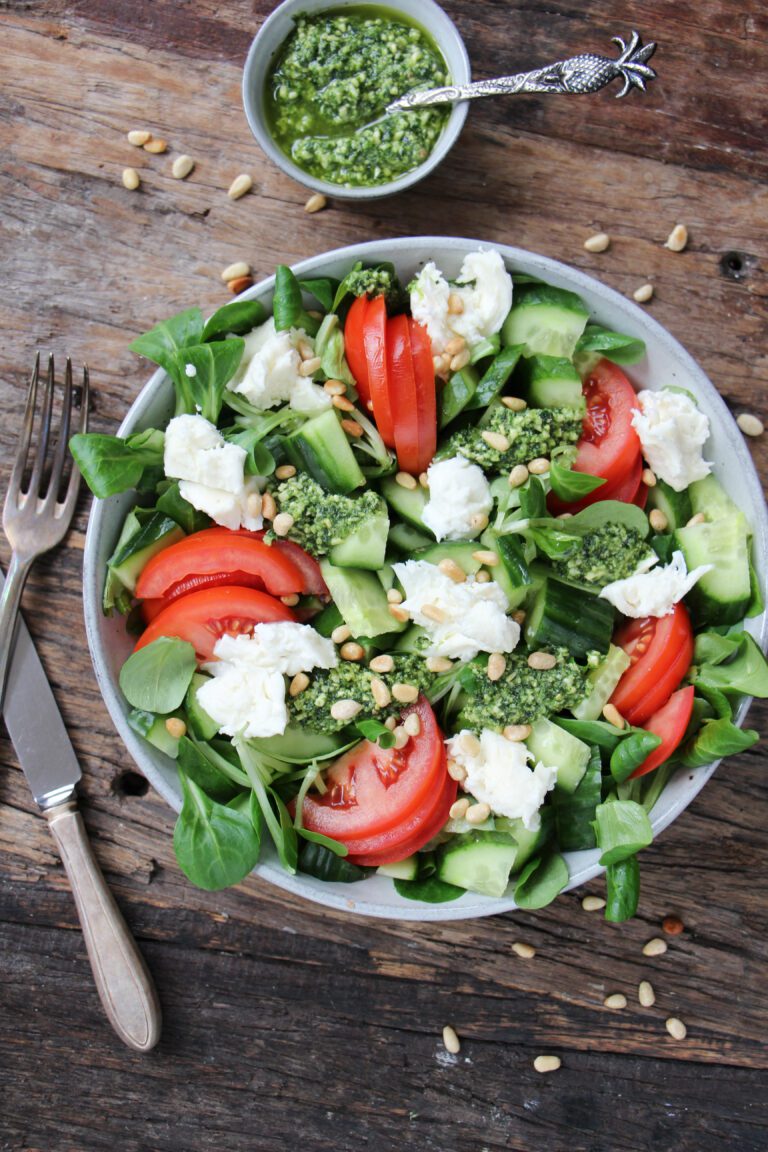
<point>578,75</point>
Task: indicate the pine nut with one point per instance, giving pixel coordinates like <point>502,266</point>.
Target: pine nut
<point>345,709</point>
<point>592,903</point>
<point>547,1063</point>
<point>239,186</point>
<point>677,239</point>
<point>514,403</point>
<point>564,515</point>
<point>451,1040</point>
<point>253,504</point>
<point>175,727</point>
<point>299,683</point>
<point>315,203</point>
<point>518,476</point>
<point>268,506</point>
<point>305,349</point>
<point>391,723</point>
<point>539,466</point>
<point>523,950</point>
<point>284,472</point>
<point>291,600</point>
<point>477,813</point>
<point>381,694</point>
<point>240,284</point>
<point>351,651</point>
<point>486,557</point>
<point>643,294</point>
<point>496,440</point>
<point>382,662</point>
<point>478,522</point>
<point>398,613</point>
<point>455,304</point>
<point>155,147</point>
<point>646,994</point>
<point>452,570</point>
<point>658,520</point>
<point>655,947</point>
<point>455,345</point>
<point>676,1028</point>
<point>437,364</point>
<point>542,661</point>
<point>181,167</point>
<point>405,693</point>
<point>699,518</point>
<point>401,737</point>
<point>438,664</point>
<point>282,523</point>
<point>456,771</point>
<point>131,179</point>
<point>412,724</point>
<point>458,809</point>
<point>750,425</point>
<point>405,480</point>
<point>343,404</point>
<point>613,716</point>
<point>497,666</point>
<point>432,612</point>
<point>616,1000</point>
<point>236,270</point>
<point>394,596</point>
<point>460,360</point>
<point>335,387</point>
<point>309,367</point>
<point>517,732</point>
<point>139,137</point>
<point>352,428</point>
<point>600,242</point>
<point>672,925</point>
<point>469,744</point>
<point>341,634</point>
<point>649,478</point>
<point>423,480</point>
<point>519,616</point>
<point>482,577</point>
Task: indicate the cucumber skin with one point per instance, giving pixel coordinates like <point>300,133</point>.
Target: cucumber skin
<point>676,506</point>
<point>709,543</point>
<point>408,503</point>
<point>546,321</point>
<point>550,621</point>
<point>320,447</point>
<point>478,861</point>
<point>555,747</point>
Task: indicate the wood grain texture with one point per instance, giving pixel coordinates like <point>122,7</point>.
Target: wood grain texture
<point>286,1025</point>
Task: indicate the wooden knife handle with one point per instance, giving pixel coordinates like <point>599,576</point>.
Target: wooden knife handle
<point>122,980</point>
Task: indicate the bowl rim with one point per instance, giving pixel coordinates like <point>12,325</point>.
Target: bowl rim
<point>433,18</point>
<point>583,866</point>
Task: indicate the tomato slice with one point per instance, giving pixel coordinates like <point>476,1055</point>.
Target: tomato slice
<point>608,444</point>
<point>660,650</point>
<point>354,346</point>
<point>203,617</point>
<point>314,583</point>
<point>388,847</point>
<point>670,722</point>
<point>426,392</point>
<point>403,401</point>
<point>372,791</point>
<point>374,342</point>
<point>214,557</point>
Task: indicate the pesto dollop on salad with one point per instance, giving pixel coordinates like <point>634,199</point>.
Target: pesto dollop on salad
<point>420,584</point>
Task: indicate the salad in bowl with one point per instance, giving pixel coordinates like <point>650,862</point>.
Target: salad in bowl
<point>418,573</point>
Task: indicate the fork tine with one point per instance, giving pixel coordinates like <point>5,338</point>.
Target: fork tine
<point>57,467</point>
<point>45,427</point>
<point>67,507</point>
<point>14,484</point>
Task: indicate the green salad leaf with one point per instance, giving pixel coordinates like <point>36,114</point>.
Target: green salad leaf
<point>156,677</point>
<point>216,845</point>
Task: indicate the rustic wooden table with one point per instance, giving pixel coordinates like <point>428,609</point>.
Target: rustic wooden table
<point>287,1026</point>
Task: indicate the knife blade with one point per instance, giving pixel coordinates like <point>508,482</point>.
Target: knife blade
<point>35,725</point>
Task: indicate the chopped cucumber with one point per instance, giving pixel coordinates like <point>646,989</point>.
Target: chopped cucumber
<point>408,503</point>
<point>478,861</point>
<point>552,382</point>
<point>200,723</point>
<point>676,506</point>
<point>361,599</point>
<point>457,394</point>
<point>131,557</point>
<point>402,869</point>
<point>601,683</point>
<point>565,617</point>
<point>407,539</point>
<point>556,748</point>
<point>411,640</point>
<point>321,448</point>
<point>487,346</point>
<point>154,731</point>
<point>529,841</point>
<point>548,321</point>
<point>364,548</point>
<point>511,573</point>
<point>709,497</point>
<point>301,744</point>
<point>494,379</point>
<point>461,552</point>
<point>721,596</point>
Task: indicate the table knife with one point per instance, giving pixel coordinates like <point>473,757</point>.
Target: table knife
<point>48,760</point>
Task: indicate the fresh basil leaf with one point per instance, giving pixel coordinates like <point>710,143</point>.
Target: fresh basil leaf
<point>712,648</point>
<point>173,504</point>
<point>716,739</point>
<point>614,346</point>
<point>213,367</point>
<point>756,605</point>
<point>631,753</point>
<point>216,845</point>
<point>719,705</point>
<point>663,546</point>
<point>329,346</point>
<point>622,883</point>
<point>344,289</point>
<point>156,677</point>
<point>194,764</point>
<point>747,672</point>
<point>323,289</point>
<point>570,486</point>
<point>111,464</point>
<point>376,732</point>
<point>235,319</point>
<point>428,889</point>
<point>541,881</point>
<point>533,499</point>
<point>553,542</point>
<point>622,827</point>
<point>162,344</point>
<point>287,305</point>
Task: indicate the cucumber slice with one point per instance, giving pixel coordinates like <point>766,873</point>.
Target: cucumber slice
<point>407,539</point>
<point>153,729</point>
<point>457,394</point>
<point>709,497</point>
<point>460,551</point>
<point>411,640</point>
<point>321,448</point>
<point>402,869</point>
<point>556,748</point>
<point>676,506</point>
<point>361,599</point>
<point>721,596</point>
<point>151,537</point>
<point>494,380</point>
<point>408,503</point>
<point>479,861</point>
<point>511,573</point>
<point>364,548</point>
<point>553,382</point>
<point>529,841</point>
<point>601,683</point>
<point>298,744</point>
<point>548,321</point>
<point>564,617</point>
<point>200,723</point>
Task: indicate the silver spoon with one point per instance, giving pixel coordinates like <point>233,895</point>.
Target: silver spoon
<point>578,75</point>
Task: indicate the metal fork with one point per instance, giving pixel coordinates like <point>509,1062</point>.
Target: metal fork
<point>34,519</point>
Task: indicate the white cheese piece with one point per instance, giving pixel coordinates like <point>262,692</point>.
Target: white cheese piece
<point>498,775</point>
<point>654,592</point>
<point>458,491</point>
<point>268,374</point>
<point>283,646</point>
<point>195,450</point>
<point>672,432</point>
<point>472,616</point>
<point>485,289</point>
<point>229,509</point>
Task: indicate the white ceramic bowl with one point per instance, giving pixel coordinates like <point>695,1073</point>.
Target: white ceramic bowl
<point>666,363</point>
<point>272,35</point>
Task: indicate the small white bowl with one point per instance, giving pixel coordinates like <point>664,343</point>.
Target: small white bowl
<point>270,39</point>
<point>666,363</point>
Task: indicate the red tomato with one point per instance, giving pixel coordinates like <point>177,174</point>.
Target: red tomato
<point>660,650</point>
<point>314,584</point>
<point>426,393</point>
<point>354,347</point>
<point>203,617</point>
<point>214,557</point>
<point>374,341</point>
<point>403,402</point>
<point>397,844</point>
<point>670,722</point>
<point>374,792</point>
<point>608,444</point>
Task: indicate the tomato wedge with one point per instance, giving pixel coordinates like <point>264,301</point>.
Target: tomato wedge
<point>388,847</point>
<point>670,722</point>
<point>609,444</point>
<point>203,617</point>
<point>217,556</point>
<point>660,650</point>
<point>374,342</point>
<point>354,347</point>
<point>426,393</point>
<point>403,398</point>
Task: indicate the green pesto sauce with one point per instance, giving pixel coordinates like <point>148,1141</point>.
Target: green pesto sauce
<point>330,85</point>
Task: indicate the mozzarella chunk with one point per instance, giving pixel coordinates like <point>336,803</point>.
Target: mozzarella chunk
<point>654,592</point>
<point>282,646</point>
<point>498,774</point>
<point>472,616</point>
<point>229,509</point>
<point>458,492</point>
<point>268,374</point>
<point>672,432</point>
<point>195,450</point>
<point>485,289</point>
